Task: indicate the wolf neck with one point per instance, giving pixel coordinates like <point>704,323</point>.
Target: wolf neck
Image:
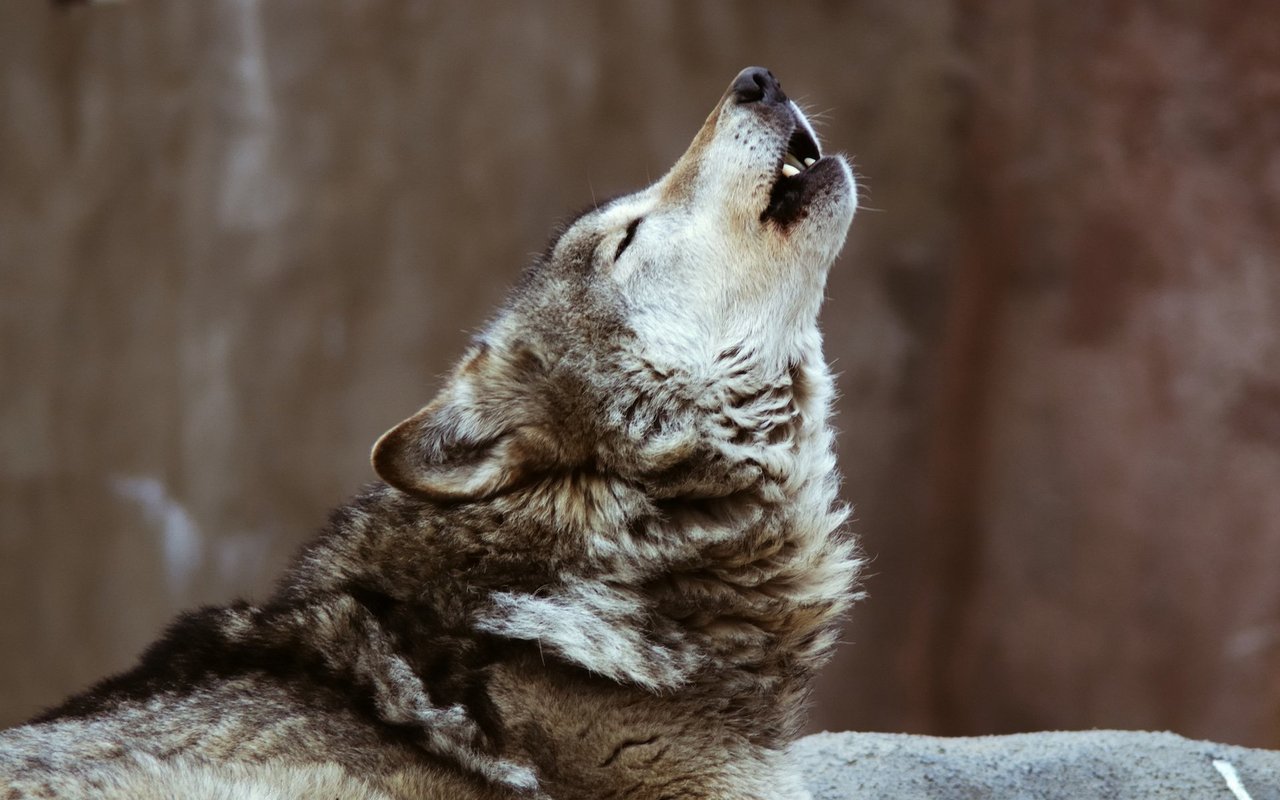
<point>766,334</point>
<point>717,563</point>
<point>763,580</point>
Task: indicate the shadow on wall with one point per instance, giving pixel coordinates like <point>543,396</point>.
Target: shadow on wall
<point>240,239</point>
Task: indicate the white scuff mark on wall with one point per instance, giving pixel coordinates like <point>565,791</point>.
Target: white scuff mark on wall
<point>1228,772</point>
<point>1253,641</point>
<point>252,195</point>
<point>180,539</point>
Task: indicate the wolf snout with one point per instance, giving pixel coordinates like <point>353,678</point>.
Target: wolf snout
<point>755,85</point>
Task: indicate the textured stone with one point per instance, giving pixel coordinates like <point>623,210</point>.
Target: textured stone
<point>1108,765</point>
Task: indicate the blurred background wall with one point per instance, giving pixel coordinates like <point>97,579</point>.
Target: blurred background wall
<point>241,238</point>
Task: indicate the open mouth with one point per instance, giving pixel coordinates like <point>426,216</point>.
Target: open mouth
<point>802,153</point>
<point>787,196</point>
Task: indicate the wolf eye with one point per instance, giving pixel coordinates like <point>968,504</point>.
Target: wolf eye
<point>626,240</point>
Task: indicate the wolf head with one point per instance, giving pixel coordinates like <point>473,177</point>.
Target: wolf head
<point>663,338</point>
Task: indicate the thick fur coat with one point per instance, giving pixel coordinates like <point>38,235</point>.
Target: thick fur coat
<point>606,560</point>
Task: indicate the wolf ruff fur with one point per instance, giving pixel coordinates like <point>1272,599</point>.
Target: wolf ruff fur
<point>607,558</point>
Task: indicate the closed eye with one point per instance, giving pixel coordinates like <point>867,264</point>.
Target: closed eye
<point>626,240</point>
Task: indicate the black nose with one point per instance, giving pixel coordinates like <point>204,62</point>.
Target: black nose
<point>756,84</point>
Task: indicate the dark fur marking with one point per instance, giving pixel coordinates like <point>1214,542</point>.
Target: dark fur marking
<point>729,353</point>
<point>476,363</point>
<point>628,744</point>
<point>658,756</point>
<point>378,604</point>
<point>627,238</point>
<point>741,401</point>
<point>654,372</point>
<point>629,413</point>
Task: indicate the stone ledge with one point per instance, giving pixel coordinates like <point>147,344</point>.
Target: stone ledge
<point>1080,765</point>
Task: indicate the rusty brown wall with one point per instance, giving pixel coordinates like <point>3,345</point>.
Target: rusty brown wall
<point>1111,494</point>
<point>240,238</point>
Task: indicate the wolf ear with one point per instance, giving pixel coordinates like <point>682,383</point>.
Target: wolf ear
<point>467,444</point>
<point>441,454</point>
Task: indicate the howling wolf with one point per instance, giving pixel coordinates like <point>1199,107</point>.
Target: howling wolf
<point>605,561</point>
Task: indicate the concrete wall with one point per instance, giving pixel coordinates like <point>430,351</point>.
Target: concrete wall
<point>239,239</point>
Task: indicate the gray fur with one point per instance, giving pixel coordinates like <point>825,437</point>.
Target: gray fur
<point>606,559</point>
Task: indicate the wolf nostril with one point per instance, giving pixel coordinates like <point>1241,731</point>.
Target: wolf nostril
<point>755,84</point>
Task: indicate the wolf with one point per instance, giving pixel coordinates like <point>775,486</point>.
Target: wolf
<point>604,561</point>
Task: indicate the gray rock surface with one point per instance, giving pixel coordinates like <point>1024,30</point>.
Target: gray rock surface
<point>1080,765</point>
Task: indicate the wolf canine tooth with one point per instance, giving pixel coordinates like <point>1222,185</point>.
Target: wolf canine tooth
<point>789,170</point>
<point>808,162</point>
